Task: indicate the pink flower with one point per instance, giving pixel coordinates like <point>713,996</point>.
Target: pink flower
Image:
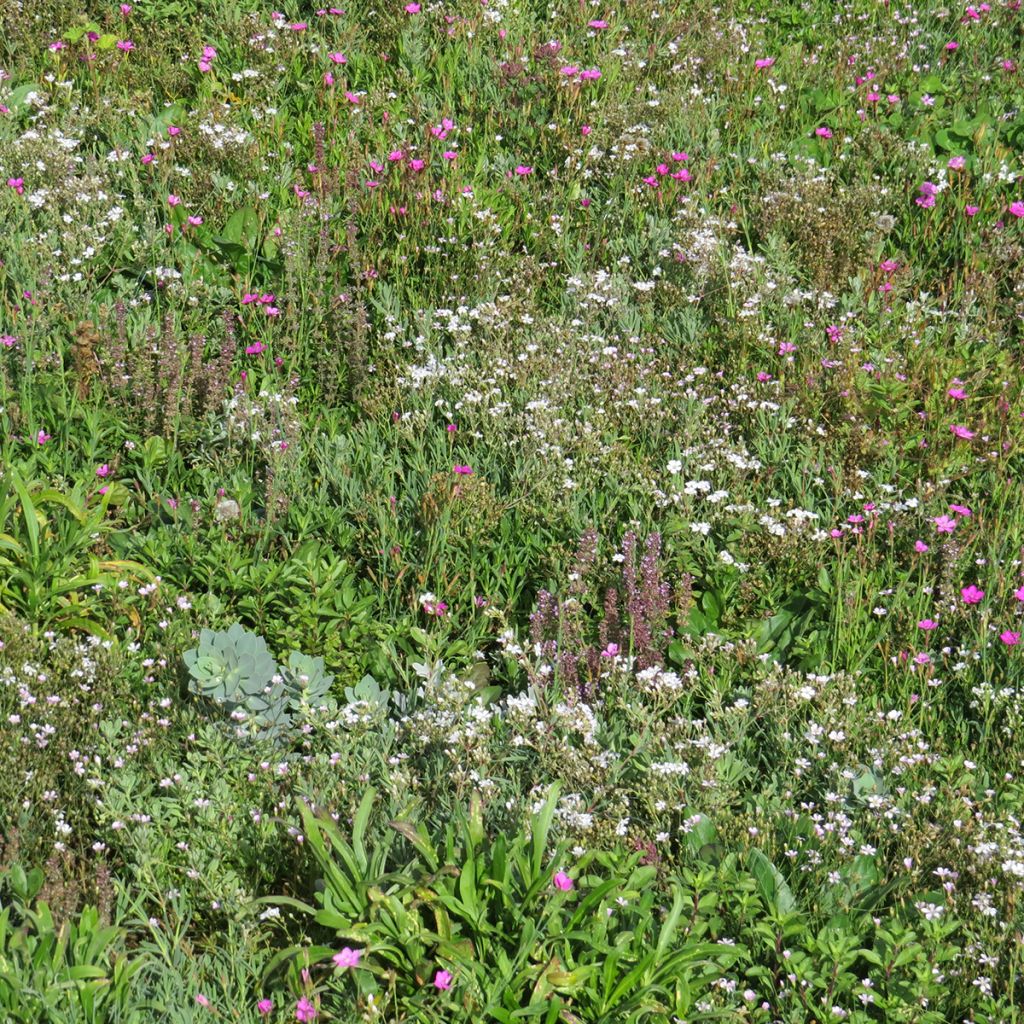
<point>347,958</point>
<point>18,184</point>
<point>561,880</point>
<point>1017,209</point>
<point>462,470</point>
<point>148,158</point>
<point>957,394</point>
<point>125,45</point>
<point>412,8</point>
<point>971,594</point>
<point>126,9</point>
<point>452,428</point>
<point>764,62</point>
<point>338,58</point>
<point>957,163</point>
<point>962,432</point>
<point>824,132</point>
<point>443,980</point>
<point>102,471</point>
<point>927,625</point>
<point>1010,638</point>
<point>305,1011</point>
<point>971,210</point>
<point>944,524</point>
<point>920,547</point>
<point>952,45</point>
<point>202,1000</point>
<point>590,74</point>
<point>609,652</point>
<point>961,510</point>
<point>42,437</point>
<point>1019,594</point>
<point>522,170</point>
<point>416,165</point>
<point>173,200</point>
<point>265,1006</point>
<point>255,348</point>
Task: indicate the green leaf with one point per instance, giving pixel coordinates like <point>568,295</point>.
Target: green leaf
<point>770,882</point>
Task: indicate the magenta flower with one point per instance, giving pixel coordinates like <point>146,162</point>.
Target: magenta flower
<point>42,437</point>
<point>962,432</point>
<point>1010,638</point>
<point>824,132</point>
<point>764,62</point>
<point>305,1011</point>
<point>960,510</point>
<point>125,45</point>
<point>347,958</point>
<point>957,394</point>
<point>412,8</point>
<point>1017,209</point>
<point>927,625</point>
<point>338,58</point>
<point>1019,594</point>
<point>971,594</point>
<point>265,1006</point>
<point>443,980</point>
<point>944,524</point>
<point>562,881</point>
<point>523,170</point>
<point>103,470</point>
<point>463,470</point>
<point>971,210</point>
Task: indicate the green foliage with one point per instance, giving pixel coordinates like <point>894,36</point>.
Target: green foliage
<point>234,669</point>
<point>77,970</point>
<point>49,561</point>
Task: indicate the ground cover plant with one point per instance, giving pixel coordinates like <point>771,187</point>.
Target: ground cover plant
<point>511,510</point>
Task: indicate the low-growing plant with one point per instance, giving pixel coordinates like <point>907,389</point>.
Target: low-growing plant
<point>234,669</point>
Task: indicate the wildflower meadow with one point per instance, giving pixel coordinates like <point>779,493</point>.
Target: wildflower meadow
<point>511,510</point>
